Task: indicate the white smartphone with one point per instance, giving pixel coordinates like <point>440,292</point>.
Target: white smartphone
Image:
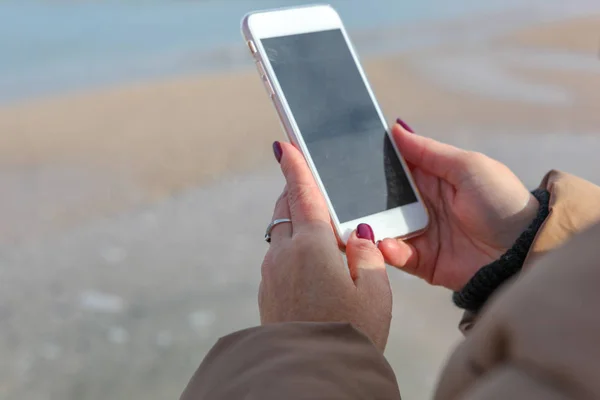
<point>329,112</point>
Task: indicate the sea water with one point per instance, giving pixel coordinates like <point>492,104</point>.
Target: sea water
<point>50,47</point>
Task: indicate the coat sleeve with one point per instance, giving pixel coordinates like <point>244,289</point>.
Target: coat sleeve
<point>294,361</point>
<point>574,206</point>
<point>539,338</point>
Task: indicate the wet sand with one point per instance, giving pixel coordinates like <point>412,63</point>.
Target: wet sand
<point>132,217</point>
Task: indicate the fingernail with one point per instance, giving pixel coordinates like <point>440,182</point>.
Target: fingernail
<point>277,150</point>
<point>364,231</point>
<point>404,125</point>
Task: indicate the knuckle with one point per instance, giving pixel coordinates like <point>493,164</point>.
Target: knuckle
<point>363,245</point>
<point>301,192</point>
<point>304,243</point>
<point>315,231</point>
<point>373,253</point>
<point>302,197</point>
<point>311,242</point>
<point>476,159</point>
<point>365,248</point>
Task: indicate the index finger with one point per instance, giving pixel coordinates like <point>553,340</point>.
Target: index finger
<point>437,158</point>
<point>306,202</point>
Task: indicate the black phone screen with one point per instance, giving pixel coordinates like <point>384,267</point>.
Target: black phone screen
<point>339,123</point>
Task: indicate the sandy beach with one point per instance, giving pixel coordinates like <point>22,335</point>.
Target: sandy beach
<point>163,137</point>
<point>131,216</point>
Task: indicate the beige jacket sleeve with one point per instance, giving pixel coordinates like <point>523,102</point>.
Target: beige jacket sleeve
<point>294,361</point>
<point>539,338</point>
<point>574,206</point>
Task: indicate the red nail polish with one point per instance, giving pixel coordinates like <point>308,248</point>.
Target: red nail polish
<point>277,150</point>
<point>404,125</point>
<point>364,231</point>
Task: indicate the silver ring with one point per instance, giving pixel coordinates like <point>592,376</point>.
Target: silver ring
<point>272,225</point>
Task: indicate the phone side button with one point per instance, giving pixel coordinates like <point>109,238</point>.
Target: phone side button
<point>269,88</point>
<point>251,46</point>
<point>261,69</point>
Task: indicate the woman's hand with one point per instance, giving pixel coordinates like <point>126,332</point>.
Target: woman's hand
<point>304,277</point>
<point>477,206</point>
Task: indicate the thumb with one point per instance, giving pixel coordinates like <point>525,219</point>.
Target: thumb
<point>367,268</point>
<point>436,158</point>
<point>365,261</point>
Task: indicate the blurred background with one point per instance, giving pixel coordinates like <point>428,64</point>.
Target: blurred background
<point>136,172</point>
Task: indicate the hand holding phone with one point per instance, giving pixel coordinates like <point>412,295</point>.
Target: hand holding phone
<point>479,207</point>
<point>304,277</point>
<point>329,112</point>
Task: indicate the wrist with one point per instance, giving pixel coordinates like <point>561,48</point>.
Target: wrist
<point>519,223</point>
<point>490,277</point>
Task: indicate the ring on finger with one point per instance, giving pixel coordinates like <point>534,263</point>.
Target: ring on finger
<point>272,225</point>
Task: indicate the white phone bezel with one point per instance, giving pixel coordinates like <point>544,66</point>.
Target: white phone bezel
<point>403,222</point>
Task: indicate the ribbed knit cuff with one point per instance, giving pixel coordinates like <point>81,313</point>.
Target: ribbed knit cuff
<point>490,277</point>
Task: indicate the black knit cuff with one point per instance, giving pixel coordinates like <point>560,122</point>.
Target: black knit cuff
<point>490,277</point>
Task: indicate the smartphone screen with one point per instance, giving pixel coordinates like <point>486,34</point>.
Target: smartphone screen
<point>339,123</point>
